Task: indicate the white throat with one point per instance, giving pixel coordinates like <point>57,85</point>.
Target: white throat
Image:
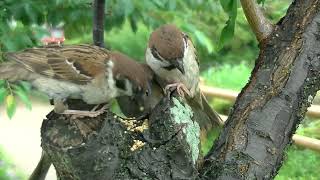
<point>191,76</point>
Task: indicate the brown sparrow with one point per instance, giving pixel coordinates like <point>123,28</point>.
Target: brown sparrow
<point>139,106</point>
<point>172,57</point>
<point>85,72</point>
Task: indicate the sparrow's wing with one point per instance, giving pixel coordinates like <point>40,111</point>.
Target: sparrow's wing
<point>138,74</point>
<point>213,115</point>
<point>194,50</point>
<point>71,63</point>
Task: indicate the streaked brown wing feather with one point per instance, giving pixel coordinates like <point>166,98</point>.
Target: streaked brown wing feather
<point>89,60</point>
<point>64,69</point>
<point>76,63</point>
<point>34,60</point>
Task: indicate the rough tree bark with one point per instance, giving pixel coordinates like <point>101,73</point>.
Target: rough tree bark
<point>164,147</point>
<point>252,144</point>
<point>271,106</point>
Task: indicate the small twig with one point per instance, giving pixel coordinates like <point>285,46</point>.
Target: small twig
<point>259,24</point>
<point>98,22</point>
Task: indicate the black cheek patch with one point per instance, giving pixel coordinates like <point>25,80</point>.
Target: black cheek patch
<point>169,68</point>
<point>155,53</point>
<point>121,84</point>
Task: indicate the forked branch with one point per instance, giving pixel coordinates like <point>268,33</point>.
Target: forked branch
<point>259,24</point>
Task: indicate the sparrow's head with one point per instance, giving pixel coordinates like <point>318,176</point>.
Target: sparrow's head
<point>127,70</point>
<point>167,44</point>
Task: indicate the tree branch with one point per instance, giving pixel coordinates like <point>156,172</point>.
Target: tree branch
<point>98,22</point>
<point>270,107</point>
<point>166,146</point>
<point>260,25</point>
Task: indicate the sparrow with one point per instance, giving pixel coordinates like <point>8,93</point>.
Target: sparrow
<point>87,72</point>
<point>172,57</point>
<point>140,106</point>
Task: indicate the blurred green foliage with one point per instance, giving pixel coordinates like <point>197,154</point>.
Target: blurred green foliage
<point>8,171</point>
<point>222,78</point>
<point>300,164</point>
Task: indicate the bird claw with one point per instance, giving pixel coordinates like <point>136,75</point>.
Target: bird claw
<point>180,87</point>
<point>75,114</point>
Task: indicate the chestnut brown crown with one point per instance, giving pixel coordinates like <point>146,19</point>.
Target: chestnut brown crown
<point>168,42</point>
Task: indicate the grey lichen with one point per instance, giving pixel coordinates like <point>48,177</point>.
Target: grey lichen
<point>182,115</point>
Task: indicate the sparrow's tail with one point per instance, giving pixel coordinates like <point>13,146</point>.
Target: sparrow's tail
<point>206,117</point>
<point>213,115</point>
<point>13,71</point>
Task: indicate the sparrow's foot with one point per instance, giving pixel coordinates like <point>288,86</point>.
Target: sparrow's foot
<point>180,87</point>
<point>79,113</point>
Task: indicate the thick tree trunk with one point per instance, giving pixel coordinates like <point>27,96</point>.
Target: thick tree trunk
<point>252,144</point>
<point>271,106</point>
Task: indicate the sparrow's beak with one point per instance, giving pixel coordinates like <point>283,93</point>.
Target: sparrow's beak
<point>179,65</point>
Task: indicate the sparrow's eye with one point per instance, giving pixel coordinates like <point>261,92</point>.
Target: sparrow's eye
<point>155,53</point>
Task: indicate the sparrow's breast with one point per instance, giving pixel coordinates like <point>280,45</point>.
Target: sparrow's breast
<point>102,90</point>
<point>91,93</point>
<point>56,89</point>
<point>99,90</point>
<point>191,76</point>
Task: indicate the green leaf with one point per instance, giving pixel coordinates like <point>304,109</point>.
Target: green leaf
<point>25,86</point>
<point>226,33</point>
<point>3,93</point>
<point>160,4</point>
<point>11,105</point>
<point>133,23</point>
<point>227,5</point>
<point>230,7</point>
<point>204,40</point>
<point>261,1</point>
<point>172,4</point>
<point>23,96</point>
<point>2,82</point>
